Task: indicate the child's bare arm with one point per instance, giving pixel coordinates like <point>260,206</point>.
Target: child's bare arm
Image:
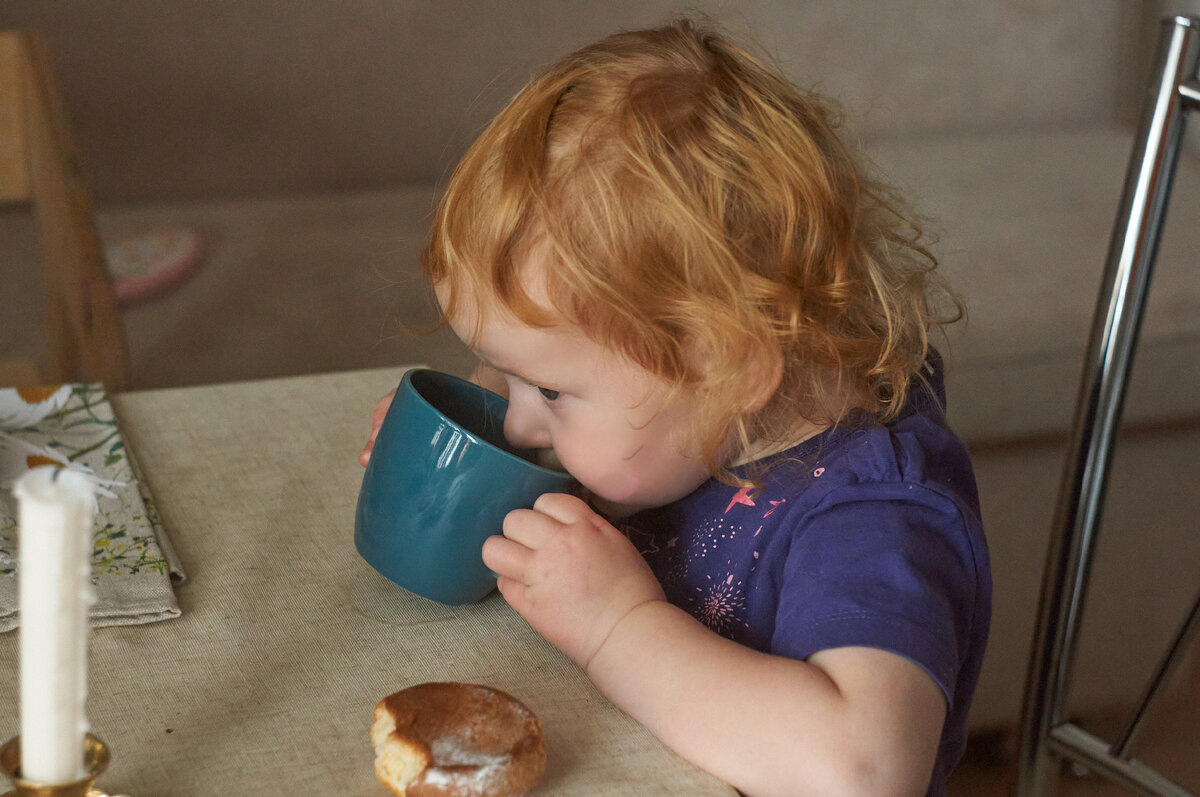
<point>847,721</point>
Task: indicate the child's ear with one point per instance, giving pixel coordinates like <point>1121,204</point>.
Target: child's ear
<point>765,372</point>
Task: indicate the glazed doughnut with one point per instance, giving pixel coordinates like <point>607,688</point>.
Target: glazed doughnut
<point>456,740</point>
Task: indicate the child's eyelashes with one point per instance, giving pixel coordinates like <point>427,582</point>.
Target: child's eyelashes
<point>547,393</point>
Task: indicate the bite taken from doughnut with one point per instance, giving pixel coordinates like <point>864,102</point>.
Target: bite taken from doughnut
<point>457,740</point>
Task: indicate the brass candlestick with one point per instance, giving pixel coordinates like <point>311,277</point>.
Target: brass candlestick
<point>95,761</point>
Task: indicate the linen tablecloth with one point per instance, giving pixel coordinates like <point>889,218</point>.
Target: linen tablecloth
<point>134,565</point>
<point>266,683</point>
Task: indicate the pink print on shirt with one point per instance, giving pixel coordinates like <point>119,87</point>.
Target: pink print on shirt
<point>742,496</point>
<point>708,566</point>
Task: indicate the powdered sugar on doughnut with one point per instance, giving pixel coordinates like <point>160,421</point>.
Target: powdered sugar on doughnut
<point>457,740</point>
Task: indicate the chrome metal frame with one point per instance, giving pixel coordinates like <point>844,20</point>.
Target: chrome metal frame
<point>1047,738</point>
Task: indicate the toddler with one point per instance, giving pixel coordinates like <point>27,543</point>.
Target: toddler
<point>699,306</point>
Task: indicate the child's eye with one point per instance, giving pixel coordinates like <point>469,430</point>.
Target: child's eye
<point>550,395</point>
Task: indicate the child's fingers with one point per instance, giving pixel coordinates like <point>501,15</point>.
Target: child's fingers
<point>377,416</point>
<point>506,558</point>
<point>512,590</point>
<point>564,508</point>
<point>529,527</point>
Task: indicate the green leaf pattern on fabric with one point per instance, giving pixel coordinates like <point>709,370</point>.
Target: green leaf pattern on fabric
<point>79,433</point>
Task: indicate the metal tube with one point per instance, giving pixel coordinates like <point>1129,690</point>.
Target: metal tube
<point>1190,92</point>
<point>1162,673</point>
<point>1102,390</point>
<point>1072,742</point>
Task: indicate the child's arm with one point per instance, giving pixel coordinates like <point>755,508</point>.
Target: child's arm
<point>846,721</point>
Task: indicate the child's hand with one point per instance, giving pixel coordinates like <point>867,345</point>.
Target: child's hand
<point>377,414</point>
<point>569,573</point>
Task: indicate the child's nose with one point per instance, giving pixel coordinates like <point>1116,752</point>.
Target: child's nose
<point>522,428</point>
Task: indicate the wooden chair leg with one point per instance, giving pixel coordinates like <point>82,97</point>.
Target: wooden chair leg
<point>85,332</point>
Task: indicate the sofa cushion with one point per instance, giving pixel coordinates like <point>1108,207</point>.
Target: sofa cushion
<point>1025,222</point>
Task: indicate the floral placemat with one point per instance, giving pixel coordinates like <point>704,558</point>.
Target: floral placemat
<point>134,566</point>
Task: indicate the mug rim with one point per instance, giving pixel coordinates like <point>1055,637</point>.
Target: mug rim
<point>407,378</point>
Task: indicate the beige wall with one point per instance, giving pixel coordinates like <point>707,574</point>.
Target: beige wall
<point>174,99</point>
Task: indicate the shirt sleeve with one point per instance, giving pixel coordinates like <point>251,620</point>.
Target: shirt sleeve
<point>881,565</point>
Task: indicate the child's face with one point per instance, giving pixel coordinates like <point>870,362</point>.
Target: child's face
<point>610,423</point>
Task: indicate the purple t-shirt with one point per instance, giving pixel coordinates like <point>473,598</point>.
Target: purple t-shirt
<point>865,535</point>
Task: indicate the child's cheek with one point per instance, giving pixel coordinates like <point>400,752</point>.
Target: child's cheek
<point>616,486</point>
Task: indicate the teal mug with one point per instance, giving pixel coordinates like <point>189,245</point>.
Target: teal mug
<point>439,482</point>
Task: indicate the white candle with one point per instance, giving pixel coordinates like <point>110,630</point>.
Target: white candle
<point>56,511</point>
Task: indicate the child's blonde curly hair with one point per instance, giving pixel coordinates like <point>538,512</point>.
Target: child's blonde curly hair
<point>702,218</point>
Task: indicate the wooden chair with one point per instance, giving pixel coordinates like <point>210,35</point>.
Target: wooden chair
<point>84,333</point>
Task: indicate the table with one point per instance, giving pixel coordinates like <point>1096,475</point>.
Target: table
<point>266,684</point>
